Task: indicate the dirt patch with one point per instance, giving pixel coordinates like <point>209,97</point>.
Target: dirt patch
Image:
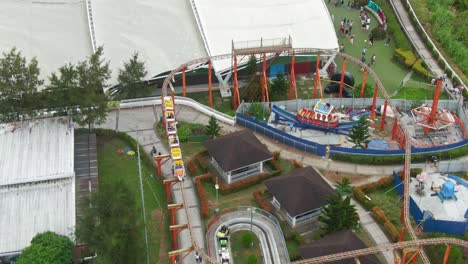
<point>157,226</point>
<point>356,179</point>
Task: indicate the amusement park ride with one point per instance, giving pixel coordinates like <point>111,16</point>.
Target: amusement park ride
<point>322,117</point>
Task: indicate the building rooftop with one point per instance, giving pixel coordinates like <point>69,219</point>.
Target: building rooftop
<point>337,242</point>
<point>300,191</point>
<point>237,150</point>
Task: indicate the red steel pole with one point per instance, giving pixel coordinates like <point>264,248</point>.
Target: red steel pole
<point>435,101</point>
<point>184,83</point>
<point>292,78</point>
<point>363,86</point>
<point>447,253</point>
<point>210,86</point>
<point>374,101</point>
<point>236,84</point>
<point>317,75</point>
<point>382,122</point>
<point>394,130</point>
<point>343,68</point>
<point>264,80</point>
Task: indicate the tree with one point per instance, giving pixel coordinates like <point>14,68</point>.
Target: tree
<point>279,87</point>
<point>48,248</point>
<point>252,65</point>
<point>368,91</point>
<point>213,129</point>
<point>359,134</point>
<point>109,225</point>
<point>131,79</point>
<point>339,214</point>
<point>92,77</point>
<point>63,92</point>
<point>344,187</point>
<point>19,81</point>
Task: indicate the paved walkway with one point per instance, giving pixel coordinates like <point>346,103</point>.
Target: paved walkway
<point>418,43</point>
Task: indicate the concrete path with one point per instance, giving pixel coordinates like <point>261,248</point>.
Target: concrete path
<point>423,51</point>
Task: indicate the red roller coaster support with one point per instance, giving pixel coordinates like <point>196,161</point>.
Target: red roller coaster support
<point>174,232</point>
<point>184,83</point>
<point>402,234</point>
<point>236,99</point>
<point>374,101</point>
<point>447,253</point>
<point>264,79</point>
<point>292,79</point>
<point>435,102</point>
<point>317,75</point>
<point>395,129</point>
<point>173,260</point>
<point>210,86</point>
<point>382,122</point>
<point>343,69</point>
<point>363,86</point>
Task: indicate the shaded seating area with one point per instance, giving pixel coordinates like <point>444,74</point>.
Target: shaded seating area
<point>301,194</point>
<point>238,155</point>
<point>341,241</point>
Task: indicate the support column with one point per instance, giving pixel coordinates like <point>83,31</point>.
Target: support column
<point>236,99</point>
<point>363,86</point>
<point>184,83</point>
<point>292,78</point>
<point>402,234</point>
<point>447,253</point>
<point>395,129</point>
<point>343,69</point>
<point>210,86</point>
<point>317,75</point>
<point>382,122</point>
<point>264,79</point>
<point>374,101</point>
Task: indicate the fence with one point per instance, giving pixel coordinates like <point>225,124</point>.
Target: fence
<point>319,149</point>
<point>431,225</point>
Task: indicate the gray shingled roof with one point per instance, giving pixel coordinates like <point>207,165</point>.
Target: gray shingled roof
<point>300,191</point>
<point>337,242</point>
<point>237,150</point>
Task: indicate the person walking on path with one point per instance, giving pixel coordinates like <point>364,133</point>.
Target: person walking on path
<point>364,51</point>
<point>351,39</point>
<point>373,59</point>
<point>342,48</point>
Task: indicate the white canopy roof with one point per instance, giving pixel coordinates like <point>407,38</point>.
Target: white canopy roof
<point>307,22</point>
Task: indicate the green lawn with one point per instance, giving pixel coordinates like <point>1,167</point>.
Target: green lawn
<point>240,252</point>
<point>391,74</point>
<point>418,94</point>
<point>221,104</point>
<point>390,203</point>
<point>114,166</point>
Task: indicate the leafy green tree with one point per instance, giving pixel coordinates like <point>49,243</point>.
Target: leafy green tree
<point>93,75</point>
<point>19,82</point>
<point>252,65</point>
<point>359,134</point>
<point>368,91</point>
<point>131,79</point>
<point>63,92</point>
<point>279,87</point>
<point>109,225</point>
<point>344,187</point>
<point>213,129</point>
<point>339,214</point>
<point>48,248</point>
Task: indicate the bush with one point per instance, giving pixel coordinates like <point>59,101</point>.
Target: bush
<point>276,155</point>
<point>297,164</point>
<point>392,231</point>
<point>379,33</point>
<point>405,57</point>
<point>192,167</point>
<point>261,202</point>
<point>420,70</point>
<point>393,26</point>
<point>359,195</point>
<point>247,240</point>
<point>242,184</point>
<point>202,196</point>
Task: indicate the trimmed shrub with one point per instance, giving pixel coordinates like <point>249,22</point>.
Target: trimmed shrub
<point>359,195</point>
<point>420,70</point>
<point>202,195</point>
<point>392,231</point>
<point>379,214</point>
<point>261,202</point>
<point>379,33</point>
<point>201,160</point>
<point>298,164</point>
<point>276,155</point>
<point>405,57</point>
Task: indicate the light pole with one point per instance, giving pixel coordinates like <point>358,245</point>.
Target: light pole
<point>217,187</point>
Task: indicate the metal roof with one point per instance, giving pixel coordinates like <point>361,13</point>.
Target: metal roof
<point>37,183</point>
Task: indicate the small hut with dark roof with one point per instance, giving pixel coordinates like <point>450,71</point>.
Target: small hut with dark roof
<point>337,242</point>
<point>301,193</point>
<point>238,155</point>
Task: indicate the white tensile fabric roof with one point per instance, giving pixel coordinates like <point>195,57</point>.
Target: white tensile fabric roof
<point>53,31</point>
<point>37,183</point>
<point>307,22</point>
<point>166,33</point>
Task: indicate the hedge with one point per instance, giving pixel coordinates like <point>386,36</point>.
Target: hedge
<point>263,204</point>
<point>242,184</point>
<point>408,58</point>
<point>192,167</point>
<point>202,195</point>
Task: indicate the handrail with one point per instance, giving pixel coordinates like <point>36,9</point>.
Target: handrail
<point>89,12</point>
<point>433,45</point>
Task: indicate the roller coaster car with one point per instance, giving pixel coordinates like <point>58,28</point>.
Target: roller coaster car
<point>223,231</point>
<point>223,243</point>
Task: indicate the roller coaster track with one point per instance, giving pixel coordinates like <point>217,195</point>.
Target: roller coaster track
<point>415,242</point>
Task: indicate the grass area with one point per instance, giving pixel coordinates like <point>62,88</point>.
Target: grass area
<point>114,166</point>
<point>390,73</point>
<point>418,94</point>
<point>242,253</point>
<point>390,203</point>
<point>293,249</point>
<point>221,104</point>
